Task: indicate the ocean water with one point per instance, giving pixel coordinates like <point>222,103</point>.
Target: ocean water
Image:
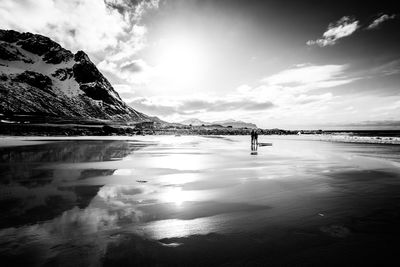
<point>199,200</point>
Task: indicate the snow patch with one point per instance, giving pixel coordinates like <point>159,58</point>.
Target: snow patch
<point>69,87</point>
<point>6,69</point>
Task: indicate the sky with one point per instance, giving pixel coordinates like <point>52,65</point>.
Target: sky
<point>280,64</point>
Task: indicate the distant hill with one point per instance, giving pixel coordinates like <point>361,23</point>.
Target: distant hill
<point>225,123</point>
<point>38,77</point>
<point>235,124</point>
<point>194,122</point>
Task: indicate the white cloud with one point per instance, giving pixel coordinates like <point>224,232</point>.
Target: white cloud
<point>86,25</point>
<point>310,77</point>
<point>123,88</point>
<point>283,95</point>
<point>277,102</point>
<point>375,24</point>
<point>275,97</point>
<point>89,25</point>
<point>243,88</point>
<point>306,99</point>
<point>135,71</point>
<point>167,106</point>
<point>344,27</point>
<point>392,107</point>
<point>305,74</point>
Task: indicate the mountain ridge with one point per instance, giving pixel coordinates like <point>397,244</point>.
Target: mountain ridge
<point>229,122</point>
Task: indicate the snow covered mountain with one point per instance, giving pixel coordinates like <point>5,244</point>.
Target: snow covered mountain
<point>39,77</point>
<point>225,123</point>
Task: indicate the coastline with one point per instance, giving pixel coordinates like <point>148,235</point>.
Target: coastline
<point>344,138</point>
<point>10,141</point>
<point>361,139</point>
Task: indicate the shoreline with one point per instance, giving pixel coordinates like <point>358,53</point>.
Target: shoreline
<point>336,138</point>
<point>13,141</point>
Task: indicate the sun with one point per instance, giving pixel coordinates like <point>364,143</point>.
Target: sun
<point>181,60</point>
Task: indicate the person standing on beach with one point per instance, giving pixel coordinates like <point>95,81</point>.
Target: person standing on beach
<point>256,137</point>
<point>252,137</point>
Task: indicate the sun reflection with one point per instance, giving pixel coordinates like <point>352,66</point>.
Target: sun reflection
<point>179,228</point>
<point>177,195</point>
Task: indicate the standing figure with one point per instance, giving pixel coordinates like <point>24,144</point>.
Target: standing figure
<point>253,140</point>
<point>256,137</point>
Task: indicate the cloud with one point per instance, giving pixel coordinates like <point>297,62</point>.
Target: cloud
<point>375,24</point>
<point>344,27</point>
<point>90,25</point>
<point>387,69</point>
<point>123,88</point>
<point>133,9</point>
<point>307,99</point>
<point>304,78</point>
<point>153,106</point>
<point>135,71</point>
<point>165,107</point>
<point>305,74</point>
<point>243,101</point>
<point>244,89</point>
<point>283,91</point>
<point>390,107</point>
<point>243,104</point>
<point>133,66</point>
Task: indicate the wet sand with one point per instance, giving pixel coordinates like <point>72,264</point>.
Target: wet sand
<point>191,200</point>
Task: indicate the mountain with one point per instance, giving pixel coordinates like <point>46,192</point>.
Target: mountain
<point>38,77</point>
<point>225,123</point>
<point>235,124</point>
<point>194,122</point>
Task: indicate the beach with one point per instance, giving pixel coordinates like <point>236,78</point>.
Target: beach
<point>198,200</point>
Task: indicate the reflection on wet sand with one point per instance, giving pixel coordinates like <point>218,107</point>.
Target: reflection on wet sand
<point>30,193</point>
<point>198,200</point>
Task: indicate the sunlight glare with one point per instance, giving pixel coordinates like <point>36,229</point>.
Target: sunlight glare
<point>181,60</point>
<point>176,195</point>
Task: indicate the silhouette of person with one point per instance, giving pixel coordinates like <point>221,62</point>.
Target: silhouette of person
<point>256,137</point>
<point>254,142</point>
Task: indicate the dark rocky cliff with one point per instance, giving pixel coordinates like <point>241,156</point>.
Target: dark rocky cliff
<point>39,77</point>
